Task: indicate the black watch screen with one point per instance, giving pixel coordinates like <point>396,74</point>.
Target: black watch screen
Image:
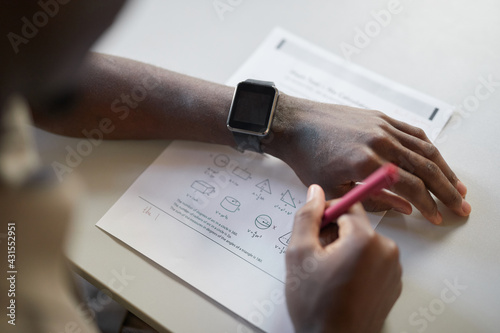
<point>252,108</point>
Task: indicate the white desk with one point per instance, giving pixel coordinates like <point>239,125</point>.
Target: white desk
<point>440,48</point>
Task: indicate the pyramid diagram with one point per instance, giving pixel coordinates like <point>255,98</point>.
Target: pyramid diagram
<point>285,239</point>
<point>265,186</point>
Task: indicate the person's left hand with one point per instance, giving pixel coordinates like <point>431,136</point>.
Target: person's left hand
<point>336,146</point>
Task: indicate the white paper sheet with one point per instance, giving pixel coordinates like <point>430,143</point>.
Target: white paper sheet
<point>220,219</point>
<point>304,70</point>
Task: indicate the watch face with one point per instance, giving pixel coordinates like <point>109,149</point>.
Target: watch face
<point>252,108</point>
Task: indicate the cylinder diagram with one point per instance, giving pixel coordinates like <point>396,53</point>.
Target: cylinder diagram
<point>230,204</point>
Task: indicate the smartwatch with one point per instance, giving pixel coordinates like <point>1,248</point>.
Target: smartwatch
<point>251,113</point>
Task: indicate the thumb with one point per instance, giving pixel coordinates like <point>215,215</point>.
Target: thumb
<point>307,220</point>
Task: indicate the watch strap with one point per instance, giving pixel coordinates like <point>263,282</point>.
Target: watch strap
<point>247,142</point>
<point>265,83</point>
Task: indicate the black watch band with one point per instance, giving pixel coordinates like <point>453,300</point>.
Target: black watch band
<point>247,142</point>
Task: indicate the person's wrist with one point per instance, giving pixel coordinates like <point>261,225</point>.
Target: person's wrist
<point>284,128</point>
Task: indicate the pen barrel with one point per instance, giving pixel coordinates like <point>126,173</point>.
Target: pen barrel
<point>384,177</point>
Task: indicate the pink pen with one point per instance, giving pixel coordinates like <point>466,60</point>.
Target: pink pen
<point>386,176</point>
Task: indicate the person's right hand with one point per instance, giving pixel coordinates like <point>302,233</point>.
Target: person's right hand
<point>347,285</point>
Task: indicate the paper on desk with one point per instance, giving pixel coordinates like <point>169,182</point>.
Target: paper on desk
<point>304,70</point>
<point>221,220</point>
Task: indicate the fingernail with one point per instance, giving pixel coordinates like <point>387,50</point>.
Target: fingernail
<point>461,188</point>
<point>466,208</point>
<point>438,219</point>
<point>311,192</point>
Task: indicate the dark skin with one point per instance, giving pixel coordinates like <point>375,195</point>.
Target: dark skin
<point>349,143</point>
<point>330,145</point>
<point>356,267</point>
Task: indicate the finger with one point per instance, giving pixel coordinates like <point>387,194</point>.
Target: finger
<point>385,200</point>
<point>428,176</point>
<point>329,234</point>
<point>392,285</point>
<point>376,202</point>
<point>307,221</point>
<point>414,190</point>
<point>354,231</point>
<point>429,151</point>
<point>392,258</point>
<point>436,181</point>
<point>354,223</point>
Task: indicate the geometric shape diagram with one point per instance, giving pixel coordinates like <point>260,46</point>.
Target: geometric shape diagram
<point>221,160</point>
<point>203,187</point>
<point>243,174</point>
<point>287,198</point>
<point>265,186</point>
<point>263,221</point>
<point>285,239</point>
<point>230,204</point>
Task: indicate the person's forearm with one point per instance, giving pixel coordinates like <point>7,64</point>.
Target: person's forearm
<point>331,145</point>
<point>144,102</point>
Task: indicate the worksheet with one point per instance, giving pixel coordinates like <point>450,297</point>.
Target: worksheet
<point>220,219</point>
<point>304,70</point>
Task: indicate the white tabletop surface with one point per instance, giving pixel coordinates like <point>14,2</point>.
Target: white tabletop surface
<point>442,48</point>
